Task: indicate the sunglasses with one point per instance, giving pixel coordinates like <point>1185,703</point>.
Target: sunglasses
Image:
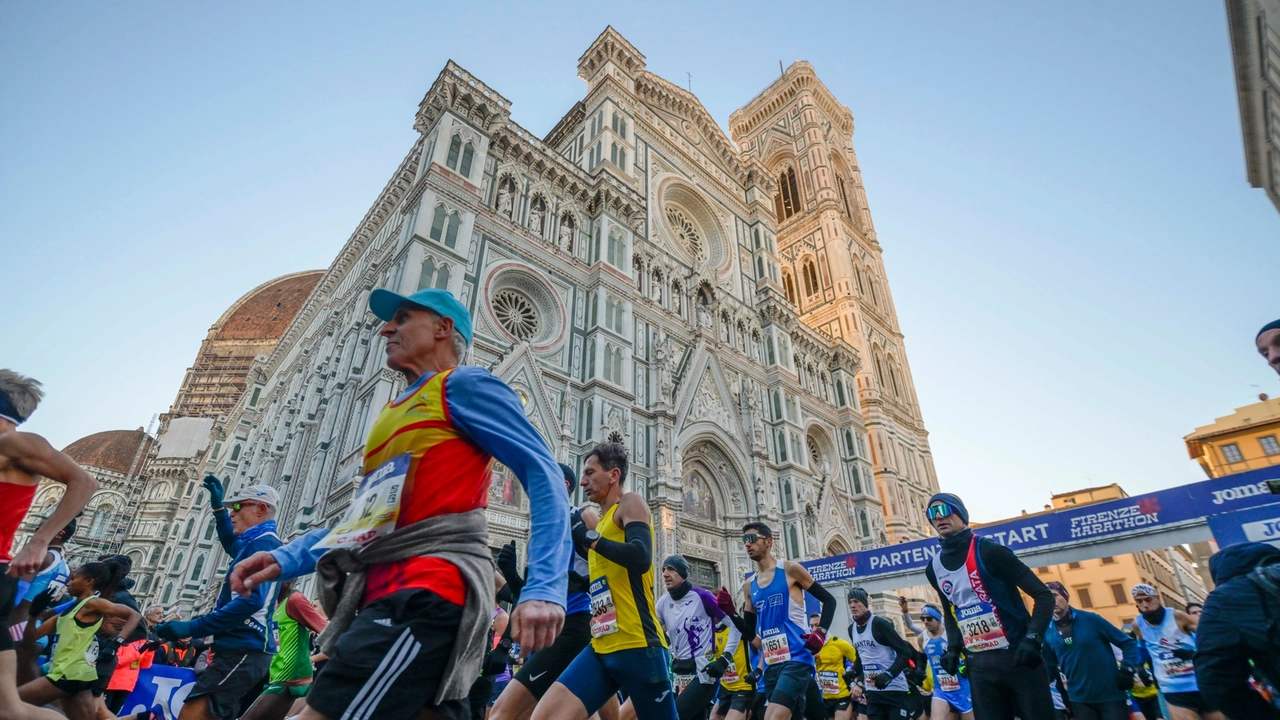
<point>750,538</point>
<point>238,506</point>
<point>940,510</point>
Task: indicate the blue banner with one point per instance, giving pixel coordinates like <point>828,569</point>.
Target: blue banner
<point>1258,524</point>
<point>161,689</point>
<point>1098,521</point>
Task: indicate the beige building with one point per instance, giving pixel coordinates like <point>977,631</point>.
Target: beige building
<point>1255,52</point>
<point>1105,585</point>
<point>1247,439</point>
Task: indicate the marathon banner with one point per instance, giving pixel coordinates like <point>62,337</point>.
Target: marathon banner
<point>1097,521</point>
<point>162,690</point>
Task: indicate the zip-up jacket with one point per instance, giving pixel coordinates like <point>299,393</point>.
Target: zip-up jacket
<point>242,622</point>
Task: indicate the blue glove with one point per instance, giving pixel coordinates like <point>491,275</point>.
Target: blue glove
<point>174,630</point>
<point>216,491</point>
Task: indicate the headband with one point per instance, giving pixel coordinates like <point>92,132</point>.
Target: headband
<point>931,612</point>
<point>1144,589</point>
<point>9,412</point>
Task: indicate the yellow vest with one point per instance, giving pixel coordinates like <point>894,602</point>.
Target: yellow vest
<point>830,665</point>
<point>622,604</point>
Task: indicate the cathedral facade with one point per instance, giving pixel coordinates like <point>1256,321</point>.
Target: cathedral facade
<point>718,306</point>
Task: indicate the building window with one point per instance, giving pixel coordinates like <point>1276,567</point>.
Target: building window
<point>1086,600</point>
<point>208,531</point>
<point>468,153</point>
<point>790,288</point>
<point>616,249</point>
<point>622,159</point>
<point>781,441</point>
<point>1108,560</point>
<point>168,593</point>
<point>199,567</point>
<point>787,201</point>
<point>451,234</point>
<point>844,196</point>
<point>1043,570</point>
<point>793,542</point>
<point>613,314</point>
<point>191,525</point>
<point>810,279</point>
<point>1074,565</point>
<point>1269,445</point>
<point>1118,593</point>
<point>1231,452</point>
<point>437,223</point>
<point>455,147</point>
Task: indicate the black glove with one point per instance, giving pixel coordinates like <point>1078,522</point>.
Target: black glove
<point>753,677</point>
<point>1183,653</point>
<point>686,666</point>
<point>507,566</point>
<point>1144,676</point>
<point>151,646</point>
<point>718,667</point>
<point>1027,653</point>
<point>216,492</point>
<point>1124,677</point>
<point>578,529</point>
<point>881,680</point>
<point>915,675</point>
<point>496,660</point>
<point>41,602</point>
<point>850,677</point>
<point>950,661</point>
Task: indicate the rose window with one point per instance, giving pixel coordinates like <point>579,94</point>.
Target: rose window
<point>516,313</point>
<point>686,232</point>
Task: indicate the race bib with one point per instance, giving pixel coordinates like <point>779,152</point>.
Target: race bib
<point>775,648</point>
<point>375,508</point>
<point>948,683</point>
<point>91,652</point>
<point>682,682</point>
<point>604,616</point>
<point>830,682</point>
<point>1173,667</point>
<point>730,676</point>
<point>981,628</point>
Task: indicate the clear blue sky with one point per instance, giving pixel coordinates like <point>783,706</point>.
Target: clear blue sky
<point>1077,260</point>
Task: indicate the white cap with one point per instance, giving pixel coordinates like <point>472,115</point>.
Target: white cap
<point>1144,589</point>
<point>264,494</point>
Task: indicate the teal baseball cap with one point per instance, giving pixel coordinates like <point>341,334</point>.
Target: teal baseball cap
<point>385,303</point>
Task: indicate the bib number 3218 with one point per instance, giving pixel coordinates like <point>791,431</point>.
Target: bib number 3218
<point>981,628</point>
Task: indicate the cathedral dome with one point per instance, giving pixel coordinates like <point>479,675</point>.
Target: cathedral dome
<point>265,312</point>
<point>113,450</point>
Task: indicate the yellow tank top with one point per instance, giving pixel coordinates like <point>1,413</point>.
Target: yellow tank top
<point>75,651</point>
<point>830,666</point>
<point>735,678</point>
<point>622,605</point>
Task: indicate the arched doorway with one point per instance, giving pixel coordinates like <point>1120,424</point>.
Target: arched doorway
<point>711,516</point>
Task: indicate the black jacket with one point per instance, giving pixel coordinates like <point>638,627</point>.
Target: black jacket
<point>1233,631</point>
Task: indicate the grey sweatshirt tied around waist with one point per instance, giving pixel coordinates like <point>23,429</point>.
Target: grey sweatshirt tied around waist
<point>461,539</point>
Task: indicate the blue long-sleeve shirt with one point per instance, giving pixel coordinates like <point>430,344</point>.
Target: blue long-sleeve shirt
<point>242,622</point>
<point>1087,661</point>
<point>489,412</point>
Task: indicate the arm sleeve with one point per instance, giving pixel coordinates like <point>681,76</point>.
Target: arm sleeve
<point>226,534</point>
<point>232,614</point>
<point>634,554</point>
<point>885,634</point>
<point>489,411</point>
<point>954,640</point>
<point>298,558</point>
<point>748,626</point>
<point>911,627</point>
<point>1006,566</point>
<point>823,596</point>
<point>297,607</point>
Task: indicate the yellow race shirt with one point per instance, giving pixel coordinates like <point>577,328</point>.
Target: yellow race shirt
<point>830,664</point>
<point>734,679</point>
<point>622,604</point>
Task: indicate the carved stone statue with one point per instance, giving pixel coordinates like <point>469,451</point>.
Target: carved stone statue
<point>537,211</point>
<point>505,201</point>
<point>565,238</point>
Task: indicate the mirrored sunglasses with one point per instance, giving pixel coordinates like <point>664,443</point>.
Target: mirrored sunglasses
<point>940,510</point>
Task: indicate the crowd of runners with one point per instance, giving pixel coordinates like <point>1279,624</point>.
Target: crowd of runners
<point>413,618</point>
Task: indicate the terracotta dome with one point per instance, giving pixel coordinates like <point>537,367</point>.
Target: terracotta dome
<point>265,312</point>
<point>112,450</point>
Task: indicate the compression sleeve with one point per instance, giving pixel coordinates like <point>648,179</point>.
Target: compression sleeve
<point>885,634</point>
<point>748,626</point>
<point>490,413</point>
<point>634,554</point>
<point>911,627</point>
<point>1004,565</point>
<point>823,596</point>
<point>954,639</point>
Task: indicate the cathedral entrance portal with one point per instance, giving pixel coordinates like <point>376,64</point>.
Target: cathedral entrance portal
<point>711,515</point>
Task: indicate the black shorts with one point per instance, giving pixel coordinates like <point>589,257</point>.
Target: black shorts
<point>71,687</point>
<point>836,704</point>
<point>1189,700</point>
<point>8,596</point>
<point>390,662</point>
<point>887,705</point>
<point>231,674</point>
<point>106,666</point>
<point>544,667</point>
<point>740,700</point>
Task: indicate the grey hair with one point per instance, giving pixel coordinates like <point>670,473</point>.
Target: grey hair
<point>153,607</point>
<point>459,345</point>
<point>23,392</point>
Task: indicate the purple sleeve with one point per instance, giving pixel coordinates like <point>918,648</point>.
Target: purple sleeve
<point>709,605</point>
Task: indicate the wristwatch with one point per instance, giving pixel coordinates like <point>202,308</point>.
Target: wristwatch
<point>592,537</point>
<point>1034,636</point>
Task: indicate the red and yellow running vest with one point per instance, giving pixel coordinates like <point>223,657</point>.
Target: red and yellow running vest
<point>448,473</point>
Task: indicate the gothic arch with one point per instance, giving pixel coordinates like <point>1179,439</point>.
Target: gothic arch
<point>837,545</point>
